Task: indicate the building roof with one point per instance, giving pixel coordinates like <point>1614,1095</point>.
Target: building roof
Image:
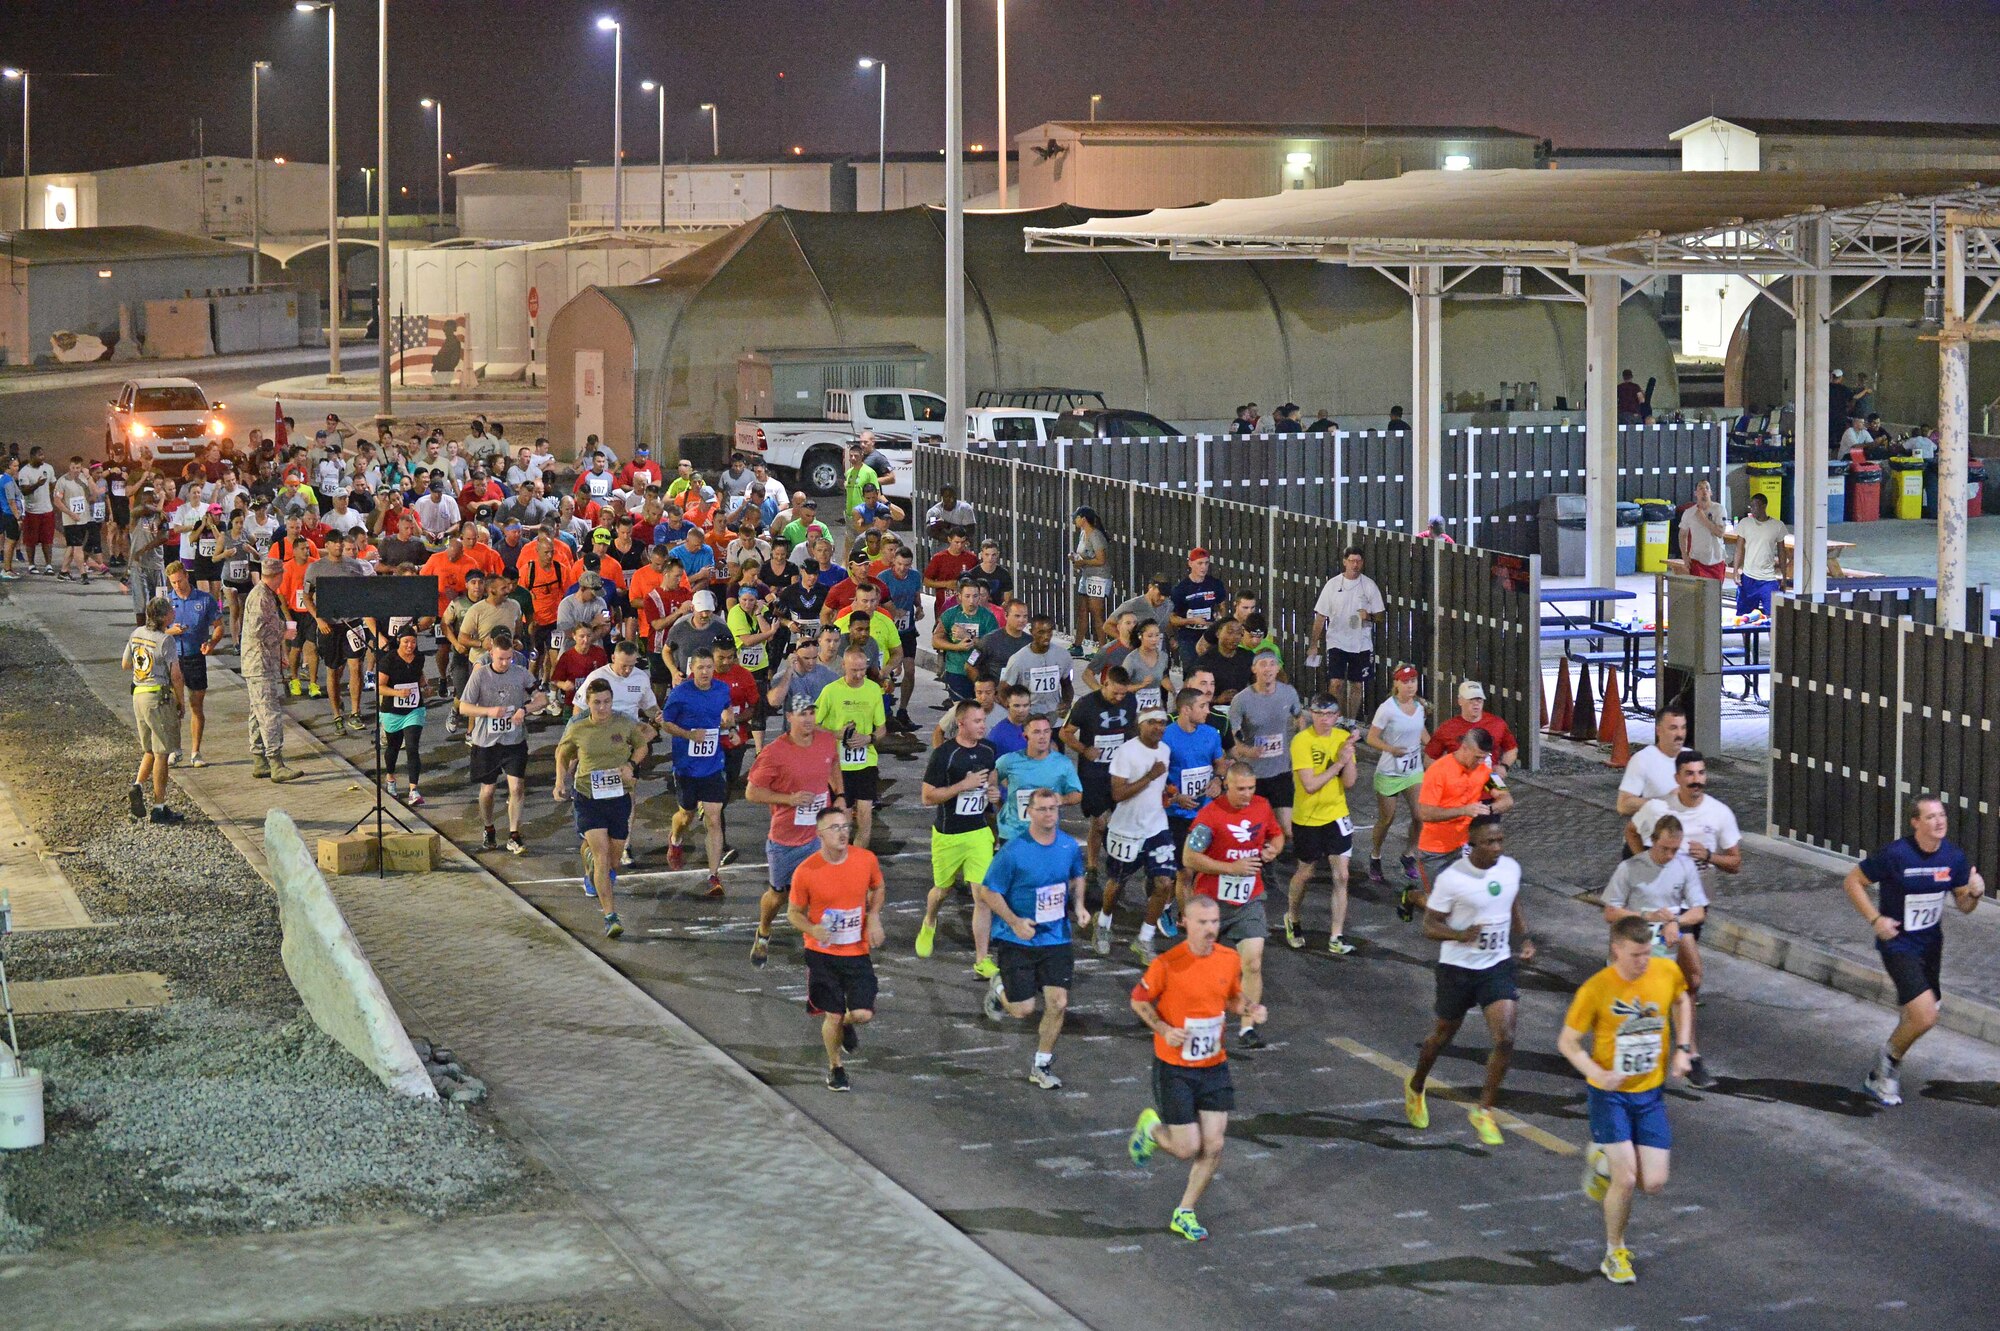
<point>1846,129</point>
<point>1255,129</point>
<point>1635,221</point>
<point>104,244</point>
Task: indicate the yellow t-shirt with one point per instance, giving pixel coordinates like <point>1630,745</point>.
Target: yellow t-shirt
<point>1630,1022</point>
<point>1312,753</point>
<point>860,705</point>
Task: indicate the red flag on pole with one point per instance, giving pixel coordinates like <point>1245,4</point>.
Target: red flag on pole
<point>278,427</point>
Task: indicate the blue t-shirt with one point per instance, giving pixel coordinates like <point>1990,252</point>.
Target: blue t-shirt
<point>698,710</point>
<point>904,595</point>
<point>694,561</point>
<point>1020,775</point>
<point>196,613</point>
<point>1191,753</point>
<point>1006,737</point>
<point>1203,601</point>
<point>1914,889</point>
<point>1035,881</point>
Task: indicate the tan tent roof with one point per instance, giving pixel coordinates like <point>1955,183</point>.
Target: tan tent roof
<point>1662,220</point>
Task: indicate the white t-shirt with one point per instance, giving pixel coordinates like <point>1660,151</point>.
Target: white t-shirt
<point>30,476</point>
<point>1856,436</point>
<point>1704,546</point>
<point>1710,823</point>
<point>1761,543</point>
<point>1143,814</point>
<point>186,518</point>
<point>1466,896</point>
<point>1404,731</point>
<point>1649,775</point>
<point>1342,601</point>
<point>631,697</point>
<point>337,521</point>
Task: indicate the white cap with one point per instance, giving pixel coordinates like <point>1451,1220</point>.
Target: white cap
<point>1472,688</point>
<point>1153,714</point>
<point>704,600</point>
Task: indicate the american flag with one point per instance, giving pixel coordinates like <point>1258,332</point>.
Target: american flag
<point>417,340</point>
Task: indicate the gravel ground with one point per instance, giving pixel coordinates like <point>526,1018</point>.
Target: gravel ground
<point>617,1313</point>
<point>227,1110</point>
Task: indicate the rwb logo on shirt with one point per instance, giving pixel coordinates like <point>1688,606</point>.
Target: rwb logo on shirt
<point>1241,831</point>
<point>1934,873</point>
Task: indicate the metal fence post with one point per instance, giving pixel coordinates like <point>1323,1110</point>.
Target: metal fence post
<point>1271,568</point>
<point>1014,516</point>
<point>1131,538</point>
<point>1471,484</point>
<point>1339,475</point>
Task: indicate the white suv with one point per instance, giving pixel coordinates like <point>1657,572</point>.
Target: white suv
<point>161,420</point>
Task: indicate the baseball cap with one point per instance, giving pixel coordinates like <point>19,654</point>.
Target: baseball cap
<point>1325,702</point>
<point>1153,714</point>
<point>591,582</point>
<point>437,482</point>
<point>1199,552</point>
<point>1405,672</point>
<point>704,600</point>
<point>798,702</point>
<point>810,503</point>
<point>1472,688</point>
<point>600,537</point>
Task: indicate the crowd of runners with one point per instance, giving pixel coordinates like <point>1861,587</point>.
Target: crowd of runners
<point>716,637</point>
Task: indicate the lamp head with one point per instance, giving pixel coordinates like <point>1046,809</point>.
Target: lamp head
<point>867,62</point>
<point>708,106</point>
<point>427,103</point>
<point>647,85</point>
<point>607,24</point>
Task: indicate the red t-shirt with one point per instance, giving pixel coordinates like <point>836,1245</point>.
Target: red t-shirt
<point>743,695</point>
<point>1448,734</point>
<point>842,595</point>
<point>637,475</point>
<point>573,667</point>
<point>659,608</point>
<point>1236,835</point>
<point>947,567</point>
<point>819,888</point>
<point>788,768</point>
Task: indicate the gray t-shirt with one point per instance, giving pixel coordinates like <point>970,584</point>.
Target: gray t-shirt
<point>1159,614</point>
<point>1149,682</point>
<point>37,481</point>
<point>490,688</point>
<point>806,683</point>
<point>732,488</point>
<point>1641,885</point>
<point>145,530</point>
<point>573,613</point>
<point>684,639</point>
<point>995,650</point>
<point>1264,721</point>
<point>1042,672</point>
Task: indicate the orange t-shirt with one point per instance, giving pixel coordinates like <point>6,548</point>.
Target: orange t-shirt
<point>486,558</point>
<point>1448,784</point>
<point>820,889</point>
<point>545,582</point>
<point>1193,993</point>
<point>641,585</point>
<point>450,574</point>
<point>292,586</point>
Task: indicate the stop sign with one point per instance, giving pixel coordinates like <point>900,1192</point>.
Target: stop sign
<point>534,302</point>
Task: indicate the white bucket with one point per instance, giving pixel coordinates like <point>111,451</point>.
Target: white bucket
<point>21,1110</point>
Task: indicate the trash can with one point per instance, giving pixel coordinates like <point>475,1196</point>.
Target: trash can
<point>708,452</point>
<point>1656,529</point>
<point>1768,479</point>
<point>1836,490</point>
<point>1561,519</point>
<point>1629,516</point>
<point>1975,487</point>
<point>1864,492</point>
<point>1906,486</point>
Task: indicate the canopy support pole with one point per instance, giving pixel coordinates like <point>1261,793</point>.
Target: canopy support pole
<point>1954,408</point>
<point>1812,371</point>
<point>1427,395</point>
<point>1600,429</point>
<point>954,228</point>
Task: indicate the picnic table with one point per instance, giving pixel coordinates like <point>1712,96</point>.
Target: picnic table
<point>1589,597</point>
<point>1637,663</point>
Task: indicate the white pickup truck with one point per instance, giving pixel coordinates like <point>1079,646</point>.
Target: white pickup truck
<point>1011,425</point>
<point>160,421</point>
<point>814,453</point>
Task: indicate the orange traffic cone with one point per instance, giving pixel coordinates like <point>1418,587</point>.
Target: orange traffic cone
<point>1583,726</point>
<point>1611,729</point>
<point>1558,720</point>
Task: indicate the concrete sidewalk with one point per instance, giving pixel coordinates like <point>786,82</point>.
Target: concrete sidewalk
<point>716,1191</point>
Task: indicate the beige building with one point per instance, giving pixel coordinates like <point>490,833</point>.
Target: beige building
<point>209,196</point>
<point>1120,164</point>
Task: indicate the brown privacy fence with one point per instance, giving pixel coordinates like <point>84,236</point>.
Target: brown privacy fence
<point>1455,612</point>
<point>1869,710</point>
<point>1494,478</point>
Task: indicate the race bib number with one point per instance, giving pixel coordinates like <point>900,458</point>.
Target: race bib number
<point>1094,584</point>
<point>1922,910</point>
<point>754,657</point>
<point>97,510</point>
<point>1403,764</point>
<point>1194,781</point>
<point>1108,746</point>
<point>1235,888</point>
<point>1050,902</point>
<point>299,600</point>
<point>1636,1055</point>
<point>236,570</point>
<point>607,784</point>
<point>1045,680</point>
<point>854,754</point>
<point>807,814</point>
<point>205,547</point>
<point>1149,698</point>
<point>971,803</point>
<point>703,744</point>
<point>357,639</point>
<point>1121,847</point>
<point>1200,614</point>
<point>1204,1038</point>
<point>78,507</point>
<point>1492,937</point>
<point>1270,746</point>
<point>1659,928</point>
<point>842,926</point>
<point>1021,801</point>
<point>410,695</point>
<point>499,727</point>
<point>1345,824</point>
<point>600,486</point>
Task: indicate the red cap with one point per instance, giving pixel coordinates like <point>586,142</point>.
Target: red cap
<point>1406,672</point>
<point>1199,552</point>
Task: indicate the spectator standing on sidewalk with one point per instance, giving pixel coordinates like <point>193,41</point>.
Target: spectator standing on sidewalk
<point>147,571</point>
<point>266,626</point>
<point>38,520</point>
<point>1703,526</point>
<point>197,630</point>
<point>150,659</point>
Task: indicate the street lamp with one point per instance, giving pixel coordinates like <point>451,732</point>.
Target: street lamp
<point>1095,98</point>
<point>256,174</point>
<point>1001,70</point>
<point>660,89</point>
<point>617,31</point>
<point>881,132</point>
<point>332,188</point>
<point>22,75</point>
<point>437,105</point>
<point>714,129</point>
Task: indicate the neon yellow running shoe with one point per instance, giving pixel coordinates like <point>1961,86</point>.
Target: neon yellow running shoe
<point>1415,1107</point>
<point>1140,1146</point>
<point>1617,1267</point>
<point>1185,1225</point>
<point>1483,1124</point>
<point>986,968</point>
<point>926,936</point>
<point>1596,1172</point>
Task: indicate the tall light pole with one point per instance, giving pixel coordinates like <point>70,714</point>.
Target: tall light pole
<point>1095,98</point>
<point>660,89</point>
<point>954,226</point>
<point>881,132</point>
<point>1002,70</point>
<point>437,105</point>
<point>382,306</point>
<point>256,173</point>
<point>22,75</point>
<point>612,26</point>
<point>332,187</point>
<point>714,129</point>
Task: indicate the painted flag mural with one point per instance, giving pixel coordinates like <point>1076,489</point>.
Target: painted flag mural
<point>431,348</point>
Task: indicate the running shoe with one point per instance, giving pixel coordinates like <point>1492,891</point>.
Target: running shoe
<point>5,576</point>
<point>836,1080</point>
<point>1185,1225</point>
<point>1044,1076</point>
<point>1295,934</point>
<point>589,859</point>
<point>1375,871</point>
<point>613,926</point>
<point>315,691</point>
<point>1170,923</point>
<point>993,1004</point>
<point>714,892</point>
<point>414,799</point>
<point>1337,946</point>
<point>1100,939</point>
<point>1406,909</point>
<point>676,856</point>
<point>1886,1091</point>
<point>760,950</point>
<point>339,724</point>
<point>926,936</point>
<point>1140,1145</point>
<point>136,799</point>
<point>196,760</point>
<point>489,841</point>
<point>625,854</point>
<point>850,1036</point>
<point>1410,869</point>
<point>1142,949</point>
<point>167,817</point>
<point>64,575</point>
<point>516,846</point>
<point>86,579</point>
<point>1249,1038</point>
<point>1617,1267</point>
<point>1596,1172</point>
<point>174,758</point>
<point>356,724</point>
<point>1416,1106</point>
<point>1483,1124</point>
<point>728,855</point>
<point>1699,1076</point>
<point>295,686</point>
<point>986,968</point>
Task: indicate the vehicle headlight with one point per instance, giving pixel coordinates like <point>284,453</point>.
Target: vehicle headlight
<point>139,430</point>
<point>215,426</point>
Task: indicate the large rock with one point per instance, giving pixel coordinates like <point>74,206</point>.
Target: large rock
<point>329,970</point>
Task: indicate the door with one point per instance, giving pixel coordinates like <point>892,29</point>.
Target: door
<point>589,397</point>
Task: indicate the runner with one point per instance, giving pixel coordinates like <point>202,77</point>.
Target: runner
<point>1455,790</point>
<point>852,709</point>
<point>1650,773</point>
<point>399,710</point>
<point>155,673</point>
<point>1009,734</point>
<point>798,775</point>
<point>1266,715</point>
<point>960,783</point>
<point>1709,837</point>
<point>456,669</point>
<point>1236,833</point>
<point>1474,913</point>
<point>1198,602</point>
<point>1399,732</point>
<point>1184,998</point>
<point>1323,770</point>
<point>957,634</point>
<point>1911,876</point>
<point>1344,619</point>
<point>1032,887</point>
<point>836,902</point>
<point>1035,663</point>
<point>1136,838</point>
<point>338,651</point>
<point>594,770</point>
<point>1098,724</point>
<point>497,699</point>
<point>1199,760</point>
<point>906,584</point>
<point>1037,765</point>
<point>197,631</point>
<point>695,715</point>
<point>1632,1012</point>
<point>1663,888</point>
<point>1472,715</point>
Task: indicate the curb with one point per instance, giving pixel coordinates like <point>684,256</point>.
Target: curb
<point>307,389</point>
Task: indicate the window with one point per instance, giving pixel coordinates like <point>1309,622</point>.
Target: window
<point>883,406</point>
<point>171,399</point>
<point>1072,427</point>
<point>1014,429</point>
<point>927,408</point>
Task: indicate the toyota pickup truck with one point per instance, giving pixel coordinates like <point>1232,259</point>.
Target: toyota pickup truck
<point>813,454</point>
<point>161,421</point>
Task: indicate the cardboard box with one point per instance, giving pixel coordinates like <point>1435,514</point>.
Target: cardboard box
<point>353,853</point>
<point>411,852</point>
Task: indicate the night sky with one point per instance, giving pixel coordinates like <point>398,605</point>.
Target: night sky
<point>527,82</point>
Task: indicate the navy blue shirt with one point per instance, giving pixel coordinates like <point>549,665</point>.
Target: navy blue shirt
<point>1203,601</point>
<point>1035,881</point>
<point>1914,889</point>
